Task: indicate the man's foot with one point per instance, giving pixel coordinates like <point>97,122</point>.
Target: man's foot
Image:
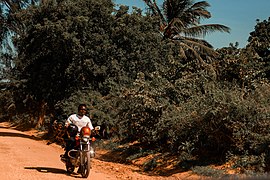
<point>79,170</point>
<point>63,157</point>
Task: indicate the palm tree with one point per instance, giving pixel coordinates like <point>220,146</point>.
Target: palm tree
<point>180,22</point>
<point>9,23</point>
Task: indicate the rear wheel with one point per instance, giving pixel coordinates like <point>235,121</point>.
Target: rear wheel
<point>85,168</point>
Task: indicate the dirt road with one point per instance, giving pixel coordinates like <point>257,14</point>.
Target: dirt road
<point>23,156</point>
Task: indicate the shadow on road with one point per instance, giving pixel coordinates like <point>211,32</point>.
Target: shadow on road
<point>11,134</point>
<point>47,170</point>
<point>17,134</point>
<point>20,126</point>
<point>54,171</point>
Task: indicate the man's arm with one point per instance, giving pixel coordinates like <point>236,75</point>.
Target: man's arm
<point>68,121</point>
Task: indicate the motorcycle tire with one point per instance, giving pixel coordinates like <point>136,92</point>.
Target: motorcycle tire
<point>85,168</point>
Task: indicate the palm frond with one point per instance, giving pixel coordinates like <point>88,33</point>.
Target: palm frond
<point>200,4</point>
<point>200,46</point>
<point>203,30</point>
<point>194,52</point>
<point>202,13</point>
<point>195,13</point>
<point>210,69</point>
<point>182,53</point>
<point>174,8</point>
<point>201,41</point>
<point>155,9</point>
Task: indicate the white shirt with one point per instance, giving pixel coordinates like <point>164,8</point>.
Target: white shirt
<point>79,121</point>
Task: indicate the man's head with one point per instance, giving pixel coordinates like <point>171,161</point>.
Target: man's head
<point>82,110</point>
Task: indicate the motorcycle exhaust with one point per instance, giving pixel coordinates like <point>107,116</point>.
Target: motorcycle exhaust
<point>72,151</point>
<point>73,155</point>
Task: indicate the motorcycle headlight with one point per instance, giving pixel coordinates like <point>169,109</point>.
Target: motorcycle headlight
<point>85,139</point>
<point>85,131</point>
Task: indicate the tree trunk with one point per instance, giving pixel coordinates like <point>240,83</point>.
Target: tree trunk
<point>41,114</point>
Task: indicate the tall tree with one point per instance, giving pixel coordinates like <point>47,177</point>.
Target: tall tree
<point>180,21</point>
<point>56,49</point>
<point>10,26</point>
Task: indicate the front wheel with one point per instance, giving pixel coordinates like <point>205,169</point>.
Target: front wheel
<point>86,165</point>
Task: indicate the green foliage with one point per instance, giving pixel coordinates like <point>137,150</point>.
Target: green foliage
<point>259,46</point>
<point>248,163</point>
<point>150,165</point>
<point>7,105</point>
<point>56,66</point>
<point>257,40</point>
<point>214,119</point>
<point>142,108</point>
<point>208,171</point>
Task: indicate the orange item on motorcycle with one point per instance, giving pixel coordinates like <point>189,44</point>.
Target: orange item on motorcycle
<point>93,139</point>
<point>85,131</point>
<point>77,138</point>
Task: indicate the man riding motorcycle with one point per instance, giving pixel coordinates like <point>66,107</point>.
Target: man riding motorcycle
<point>74,123</point>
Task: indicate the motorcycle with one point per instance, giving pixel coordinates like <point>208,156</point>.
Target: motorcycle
<point>82,152</point>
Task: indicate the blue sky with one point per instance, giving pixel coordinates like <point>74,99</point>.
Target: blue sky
<point>239,15</point>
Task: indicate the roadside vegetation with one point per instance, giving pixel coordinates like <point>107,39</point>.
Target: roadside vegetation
<point>148,77</point>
